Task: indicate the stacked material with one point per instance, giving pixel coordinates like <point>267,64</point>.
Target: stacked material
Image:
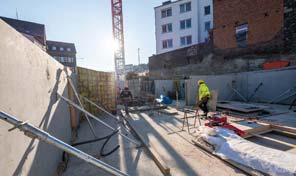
<point>228,145</point>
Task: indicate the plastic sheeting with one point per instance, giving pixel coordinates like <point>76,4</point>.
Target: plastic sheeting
<point>231,146</point>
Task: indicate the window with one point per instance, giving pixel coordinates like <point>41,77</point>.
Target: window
<point>61,49</point>
<point>166,13</point>
<point>186,40</point>
<point>167,28</point>
<point>54,48</point>
<point>62,59</point>
<point>184,24</point>
<point>185,7</point>
<point>70,59</point>
<point>167,43</point>
<point>69,49</point>
<point>207,26</point>
<point>207,10</point>
<point>241,35</point>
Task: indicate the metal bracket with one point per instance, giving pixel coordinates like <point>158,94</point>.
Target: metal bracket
<point>18,126</point>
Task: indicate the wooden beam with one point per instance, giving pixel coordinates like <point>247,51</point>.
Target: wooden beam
<point>248,135</point>
<point>71,108</point>
<point>284,133</point>
<point>155,156</point>
<point>284,128</point>
<point>275,140</point>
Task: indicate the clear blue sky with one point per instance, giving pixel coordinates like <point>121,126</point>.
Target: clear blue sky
<point>88,24</point>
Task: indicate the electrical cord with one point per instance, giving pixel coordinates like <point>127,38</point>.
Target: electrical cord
<point>106,138</point>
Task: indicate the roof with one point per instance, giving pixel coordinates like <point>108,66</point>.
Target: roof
<point>59,45</point>
<point>29,28</point>
<point>167,3</point>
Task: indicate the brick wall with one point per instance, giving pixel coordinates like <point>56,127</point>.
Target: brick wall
<point>181,57</point>
<point>264,18</point>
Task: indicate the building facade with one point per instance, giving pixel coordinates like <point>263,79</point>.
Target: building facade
<point>140,69</point>
<point>239,24</point>
<point>33,31</point>
<point>182,23</point>
<point>63,52</point>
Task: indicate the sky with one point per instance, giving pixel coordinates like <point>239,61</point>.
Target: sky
<point>88,24</point>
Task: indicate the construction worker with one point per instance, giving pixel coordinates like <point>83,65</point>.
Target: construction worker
<point>203,96</point>
<point>126,97</point>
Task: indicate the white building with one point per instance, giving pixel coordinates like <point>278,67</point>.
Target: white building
<point>182,23</point>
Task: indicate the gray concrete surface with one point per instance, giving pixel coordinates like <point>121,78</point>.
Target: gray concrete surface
<point>275,145</point>
<point>275,82</point>
<point>29,80</point>
<point>163,86</point>
<point>131,160</point>
<point>175,147</point>
<point>280,114</point>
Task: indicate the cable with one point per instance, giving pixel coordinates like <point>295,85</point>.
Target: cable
<point>113,150</point>
<point>107,138</point>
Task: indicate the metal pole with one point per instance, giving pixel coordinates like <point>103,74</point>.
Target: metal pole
<point>255,91</point>
<point>102,109</point>
<point>284,98</point>
<point>239,94</point>
<point>34,132</point>
<point>281,95</point>
<point>96,118</point>
<point>76,94</point>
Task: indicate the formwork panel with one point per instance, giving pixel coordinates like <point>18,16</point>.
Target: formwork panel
<point>98,87</point>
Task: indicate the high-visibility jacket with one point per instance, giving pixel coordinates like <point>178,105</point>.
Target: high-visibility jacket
<point>203,91</point>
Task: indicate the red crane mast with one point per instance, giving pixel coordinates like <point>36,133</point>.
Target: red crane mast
<point>117,25</point>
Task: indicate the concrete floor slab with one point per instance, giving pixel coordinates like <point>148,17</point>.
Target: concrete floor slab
<point>164,134</point>
<point>275,145</point>
<point>128,159</point>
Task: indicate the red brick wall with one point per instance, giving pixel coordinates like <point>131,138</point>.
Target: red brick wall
<point>261,28</point>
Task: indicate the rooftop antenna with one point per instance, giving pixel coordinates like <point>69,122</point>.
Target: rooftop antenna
<point>16,14</point>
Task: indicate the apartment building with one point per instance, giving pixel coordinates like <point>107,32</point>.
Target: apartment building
<point>182,23</point>
<point>63,52</point>
<point>33,31</point>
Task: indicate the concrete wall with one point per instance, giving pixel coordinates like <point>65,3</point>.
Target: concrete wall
<point>275,82</point>
<point>29,80</point>
<point>162,87</point>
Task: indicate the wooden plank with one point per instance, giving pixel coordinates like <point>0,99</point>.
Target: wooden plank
<point>167,112</point>
<point>284,128</point>
<point>155,156</point>
<point>252,127</point>
<point>246,169</point>
<point>248,135</point>
<point>275,140</point>
<point>284,133</point>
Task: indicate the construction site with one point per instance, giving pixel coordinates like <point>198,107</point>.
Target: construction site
<point>222,102</point>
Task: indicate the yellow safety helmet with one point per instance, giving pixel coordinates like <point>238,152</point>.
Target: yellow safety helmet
<point>200,81</point>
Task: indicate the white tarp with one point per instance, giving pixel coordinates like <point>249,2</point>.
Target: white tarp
<point>231,146</point>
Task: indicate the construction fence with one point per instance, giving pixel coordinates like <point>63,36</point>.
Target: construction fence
<point>99,87</point>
